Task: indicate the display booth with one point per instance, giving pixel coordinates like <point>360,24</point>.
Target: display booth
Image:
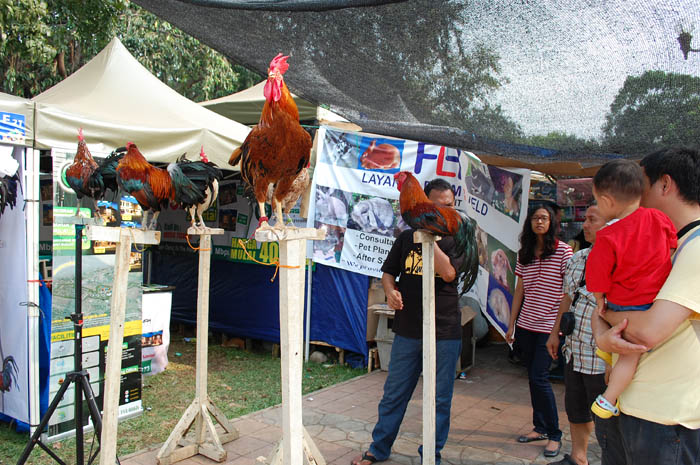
<point>19,286</point>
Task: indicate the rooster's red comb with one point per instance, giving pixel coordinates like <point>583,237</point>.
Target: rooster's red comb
<point>279,63</point>
<point>80,135</point>
<point>203,156</point>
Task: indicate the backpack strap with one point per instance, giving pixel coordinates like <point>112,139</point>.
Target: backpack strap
<point>695,234</point>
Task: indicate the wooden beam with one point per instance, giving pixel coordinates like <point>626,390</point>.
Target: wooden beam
<point>427,241</point>
<point>207,441</point>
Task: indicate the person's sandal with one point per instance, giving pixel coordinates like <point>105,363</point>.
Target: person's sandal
<point>605,409</point>
<point>553,453</point>
<point>523,439</point>
<point>368,458</point>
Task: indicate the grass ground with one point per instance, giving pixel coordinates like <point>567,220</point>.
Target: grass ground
<point>239,382</point>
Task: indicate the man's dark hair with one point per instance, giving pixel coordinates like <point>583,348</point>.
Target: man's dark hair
<point>622,179</point>
<point>682,164</point>
<point>438,184</point>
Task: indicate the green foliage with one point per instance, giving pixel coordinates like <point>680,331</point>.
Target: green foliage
<point>654,110</point>
<point>43,42</point>
<point>563,141</point>
<point>178,59</point>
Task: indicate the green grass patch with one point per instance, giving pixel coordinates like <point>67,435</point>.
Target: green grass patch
<point>239,382</point>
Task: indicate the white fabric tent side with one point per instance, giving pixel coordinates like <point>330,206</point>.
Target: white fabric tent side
<point>116,100</point>
<point>245,106</point>
<point>19,131</point>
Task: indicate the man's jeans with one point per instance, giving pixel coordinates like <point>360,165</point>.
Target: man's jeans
<point>404,370</point>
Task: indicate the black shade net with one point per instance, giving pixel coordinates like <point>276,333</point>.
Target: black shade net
<point>537,82</point>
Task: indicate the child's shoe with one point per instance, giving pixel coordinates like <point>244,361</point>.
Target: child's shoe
<point>605,409</point>
<point>606,356</point>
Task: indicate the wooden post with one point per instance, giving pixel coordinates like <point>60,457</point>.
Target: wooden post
<point>207,441</point>
<point>124,237</point>
<point>427,241</point>
<point>296,447</point>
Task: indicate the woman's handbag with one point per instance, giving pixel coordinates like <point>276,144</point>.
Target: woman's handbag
<point>568,320</point>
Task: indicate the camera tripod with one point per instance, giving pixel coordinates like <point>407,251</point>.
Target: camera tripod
<point>78,376</point>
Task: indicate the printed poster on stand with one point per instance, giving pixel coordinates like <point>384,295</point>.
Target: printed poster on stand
<point>354,196</point>
<point>97,279</point>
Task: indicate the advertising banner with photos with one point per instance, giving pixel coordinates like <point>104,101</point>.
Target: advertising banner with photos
<point>354,196</point>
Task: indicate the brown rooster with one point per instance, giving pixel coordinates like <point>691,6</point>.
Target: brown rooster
<point>277,148</point>
<point>419,212</point>
<point>149,185</point>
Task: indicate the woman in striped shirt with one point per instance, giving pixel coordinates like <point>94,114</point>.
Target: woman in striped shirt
<point>540,269</point>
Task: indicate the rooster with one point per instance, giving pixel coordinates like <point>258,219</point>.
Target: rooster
<point>277,148</point>
<point>149,185</point>
<point>9,180</point>
<point>419,212</point>
<point>89,178</point>
<point>196,185</point>
<point>8,374</point>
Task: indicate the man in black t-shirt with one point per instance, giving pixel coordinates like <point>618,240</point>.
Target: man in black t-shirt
<point>405,262</point>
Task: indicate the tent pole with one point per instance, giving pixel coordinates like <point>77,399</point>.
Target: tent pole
<point>308,312</point>
<point>31,184</point>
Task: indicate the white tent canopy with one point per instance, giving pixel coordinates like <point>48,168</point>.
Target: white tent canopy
<point>245,106</point>
<point>12,130</point>
<point>116,100</point>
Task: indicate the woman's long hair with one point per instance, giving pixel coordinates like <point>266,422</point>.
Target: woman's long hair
<point>528,238</point>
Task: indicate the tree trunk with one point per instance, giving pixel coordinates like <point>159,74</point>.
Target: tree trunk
<point>61,64</point>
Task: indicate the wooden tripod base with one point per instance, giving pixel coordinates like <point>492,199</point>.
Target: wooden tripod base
<point>312,456</point>
<point>207,441</point>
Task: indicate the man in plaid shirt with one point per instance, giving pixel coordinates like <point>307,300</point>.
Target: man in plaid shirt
<point>584,376</point>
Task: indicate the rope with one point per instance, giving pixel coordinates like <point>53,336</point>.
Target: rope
<point>187,236</point>
<point>276,262</point>
<point>40,281</point>
<point>133,241</point>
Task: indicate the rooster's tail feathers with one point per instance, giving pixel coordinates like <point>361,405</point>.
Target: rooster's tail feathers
<point>466,242</point>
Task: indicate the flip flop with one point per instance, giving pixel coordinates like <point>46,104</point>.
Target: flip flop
<point>366,457</point>
<point>524,439</point>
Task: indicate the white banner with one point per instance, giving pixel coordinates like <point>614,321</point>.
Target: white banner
<point>14,388</point>
<point>354,196</point>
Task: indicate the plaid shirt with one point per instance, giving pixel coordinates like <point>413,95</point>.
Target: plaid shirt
<point>580,345</point>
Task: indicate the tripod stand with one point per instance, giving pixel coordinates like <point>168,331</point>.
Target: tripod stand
<point>78,376</point>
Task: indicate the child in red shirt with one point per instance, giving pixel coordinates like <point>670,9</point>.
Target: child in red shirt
<point>629,262</point>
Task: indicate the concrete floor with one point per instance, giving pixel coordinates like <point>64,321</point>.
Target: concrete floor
<point>489,410</point>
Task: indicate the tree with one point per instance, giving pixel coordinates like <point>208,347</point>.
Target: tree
<point>563,141</point>
<point>43,42</point>
<point>653,110</point>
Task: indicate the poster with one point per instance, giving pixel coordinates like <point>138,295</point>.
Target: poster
<point>354,196</point>
<point>97,278</point>
<point>14,384</point>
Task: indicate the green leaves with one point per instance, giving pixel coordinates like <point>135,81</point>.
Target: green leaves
<point>46,41</point>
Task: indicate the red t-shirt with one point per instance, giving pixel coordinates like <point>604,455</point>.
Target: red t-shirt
<point>631,258</point>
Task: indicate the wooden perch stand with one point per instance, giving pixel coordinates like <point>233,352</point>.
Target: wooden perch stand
<point>296,446</point>
<point>124,237</point>
<point>206,440</point>
<point>427,241</point>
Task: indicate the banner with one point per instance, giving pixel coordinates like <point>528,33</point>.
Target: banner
<point>14,373</point>
<point>97,279</point>
<point>354,196</point>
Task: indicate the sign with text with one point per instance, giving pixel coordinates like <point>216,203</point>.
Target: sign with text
<point>354,196</point>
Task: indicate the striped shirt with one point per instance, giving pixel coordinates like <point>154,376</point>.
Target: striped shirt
<point>580,346</point>
<point>542,285</point>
